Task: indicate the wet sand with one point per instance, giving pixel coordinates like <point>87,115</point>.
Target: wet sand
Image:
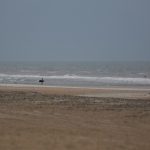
<point>62,118</point>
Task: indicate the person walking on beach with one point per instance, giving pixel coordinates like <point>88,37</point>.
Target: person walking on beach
<point>41,81</point>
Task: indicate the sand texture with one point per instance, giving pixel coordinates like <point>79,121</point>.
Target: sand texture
<point>60,119</point>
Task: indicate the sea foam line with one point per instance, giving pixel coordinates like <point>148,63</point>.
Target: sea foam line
<point>126,80</point>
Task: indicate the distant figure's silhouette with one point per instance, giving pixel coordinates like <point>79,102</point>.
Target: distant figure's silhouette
<point>41,81</point>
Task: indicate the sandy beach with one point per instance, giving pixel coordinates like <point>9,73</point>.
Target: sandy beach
<point>65,118</point>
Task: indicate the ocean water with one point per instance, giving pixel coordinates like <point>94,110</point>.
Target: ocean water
<point>90,74</point>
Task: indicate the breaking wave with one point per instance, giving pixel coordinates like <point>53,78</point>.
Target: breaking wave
<point>71,77</point>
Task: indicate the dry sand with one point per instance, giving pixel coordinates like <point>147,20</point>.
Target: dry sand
<point>58,118</point>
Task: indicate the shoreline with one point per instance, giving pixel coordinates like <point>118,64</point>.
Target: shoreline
<point>137,88</point>
<point>113,92</point>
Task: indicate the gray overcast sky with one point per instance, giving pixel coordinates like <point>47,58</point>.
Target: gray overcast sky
<point>74,30</point>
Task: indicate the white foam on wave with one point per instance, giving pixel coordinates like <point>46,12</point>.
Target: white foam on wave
<point>111,80</point>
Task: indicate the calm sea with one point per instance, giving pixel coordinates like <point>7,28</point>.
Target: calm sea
<point>80,74</point>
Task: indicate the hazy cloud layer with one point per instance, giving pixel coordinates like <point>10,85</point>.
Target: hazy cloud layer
<point>74,30</point>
